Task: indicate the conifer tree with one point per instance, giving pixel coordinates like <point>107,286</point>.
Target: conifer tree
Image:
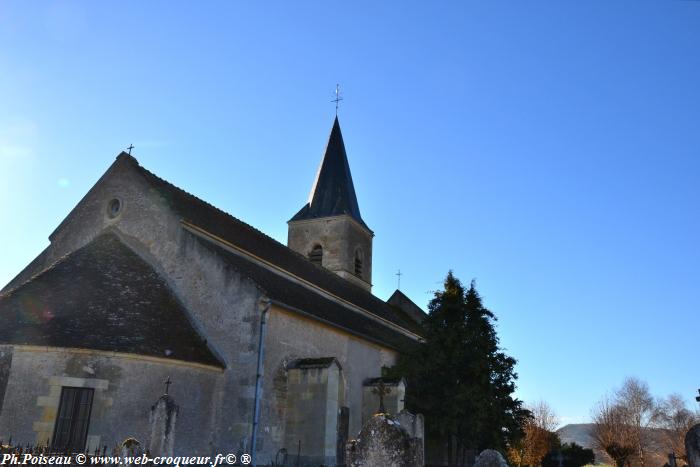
<point>459,378</point>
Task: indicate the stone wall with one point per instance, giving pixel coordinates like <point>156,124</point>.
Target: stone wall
<point>314,398</point>
<point>125,388</point>
<point>223,304</point>
<point>291,337</point>
<point>340,237</point>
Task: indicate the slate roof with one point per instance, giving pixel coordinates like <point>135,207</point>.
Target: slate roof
<point>299,298</point>
<point>102,296</point>
<point>232,230</point>
<point>333,192</point>
<point>400,300</point>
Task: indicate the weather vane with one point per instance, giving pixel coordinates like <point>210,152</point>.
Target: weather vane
<point>338,98</point>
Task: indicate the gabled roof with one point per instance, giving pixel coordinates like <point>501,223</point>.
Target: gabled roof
<point>333,193</point>
<point>232,230</point>
<point>102,296</point>
<point>401,301</point>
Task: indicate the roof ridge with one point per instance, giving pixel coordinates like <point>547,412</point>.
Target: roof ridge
<point>325,271</point>
<point>234,218</point>
<point>148,172</point>
<point>294,297</point>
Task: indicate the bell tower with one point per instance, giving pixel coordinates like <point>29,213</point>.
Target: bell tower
<point>329,229</point>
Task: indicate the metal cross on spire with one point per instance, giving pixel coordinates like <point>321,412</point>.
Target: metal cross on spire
<point>167,383</point>
<point>131,146</point>
<point>399,274</point>
<point>338,98</point>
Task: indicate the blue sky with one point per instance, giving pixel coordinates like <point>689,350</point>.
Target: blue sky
<point>550,150</point>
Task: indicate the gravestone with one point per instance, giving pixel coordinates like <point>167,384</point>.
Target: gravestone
<point>163,418</point>
<point>414,425</point>
<point>130,447</point>
<point>692,446</point>
<point>383,442</point>
<point>490,458</point>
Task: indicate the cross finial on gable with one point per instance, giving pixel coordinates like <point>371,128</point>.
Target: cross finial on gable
<point>167,383</point>
<point>131,146</point>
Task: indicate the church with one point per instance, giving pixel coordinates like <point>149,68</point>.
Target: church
<point>147,290</point>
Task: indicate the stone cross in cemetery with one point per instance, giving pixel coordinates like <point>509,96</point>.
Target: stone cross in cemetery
<point>381,390</point>
<point>162,419</point>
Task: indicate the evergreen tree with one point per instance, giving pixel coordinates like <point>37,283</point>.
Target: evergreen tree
<point>459,378</point>
<point>570,455</point>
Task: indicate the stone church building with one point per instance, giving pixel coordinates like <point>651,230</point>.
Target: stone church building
<point>144,282</point>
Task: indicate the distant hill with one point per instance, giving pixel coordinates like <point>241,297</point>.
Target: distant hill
<point>581,434</point>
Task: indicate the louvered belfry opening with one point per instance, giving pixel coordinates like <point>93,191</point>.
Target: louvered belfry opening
<point>358,263</point>
<point>316,255</point>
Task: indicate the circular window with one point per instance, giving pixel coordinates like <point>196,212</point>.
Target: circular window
<point>114,207</point>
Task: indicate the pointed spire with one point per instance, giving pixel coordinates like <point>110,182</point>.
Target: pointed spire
<point>333,192</point>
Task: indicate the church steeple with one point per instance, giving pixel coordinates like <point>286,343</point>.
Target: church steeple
<point>333,193</point>
<point>329,229</point>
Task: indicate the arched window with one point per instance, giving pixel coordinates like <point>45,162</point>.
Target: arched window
<point>358,262</point>
<point>316,255</point>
